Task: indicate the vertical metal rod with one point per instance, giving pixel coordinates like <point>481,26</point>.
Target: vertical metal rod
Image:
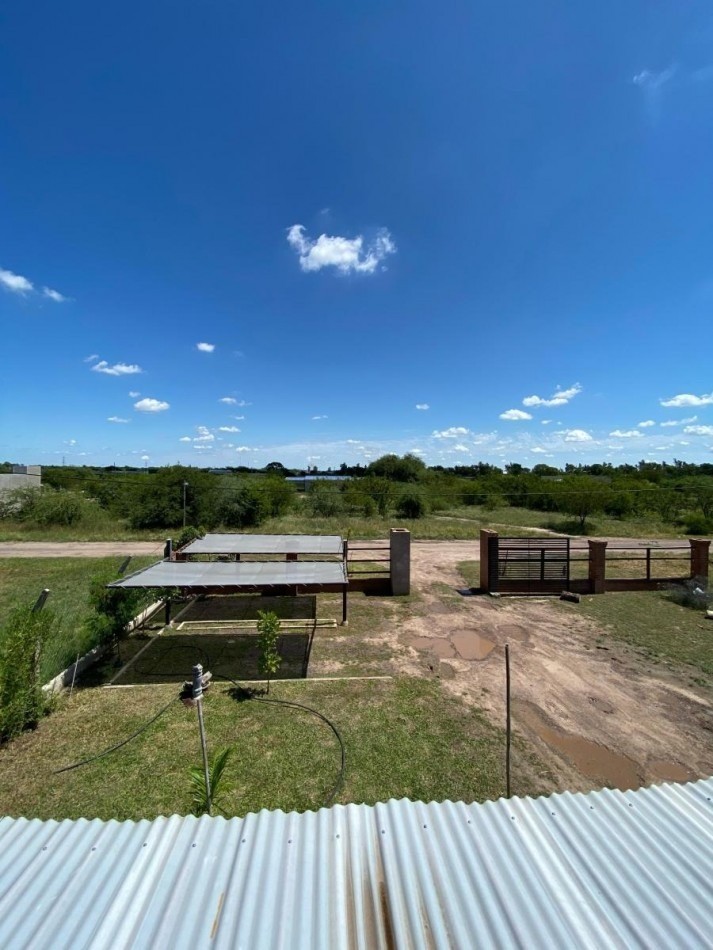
<point>198,698</point>
<point>204,749</point>
<point>507,720</point>
<point>648,564</point>
<point>74,676</point>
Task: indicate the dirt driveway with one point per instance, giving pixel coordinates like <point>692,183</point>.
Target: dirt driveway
<point>597,712</point>
<point>79,548</point>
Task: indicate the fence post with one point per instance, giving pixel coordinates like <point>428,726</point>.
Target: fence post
<point>486,536</point>
<point>597,566</point>
<point>700,558</point>
<point>400,561</point>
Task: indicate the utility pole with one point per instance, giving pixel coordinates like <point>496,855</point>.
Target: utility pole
<point>185,486</point>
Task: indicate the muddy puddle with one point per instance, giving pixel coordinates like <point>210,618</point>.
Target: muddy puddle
<point>592,759</point>
<point>471,646</point>
<point>665,771</point>
<point>439,646</point>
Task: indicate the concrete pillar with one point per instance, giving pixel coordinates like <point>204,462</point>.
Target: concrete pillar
<point>486,542</point>
<point>400,555</point>
<point>168,549</point>
<point>700,558</point>
<point>597,566</point>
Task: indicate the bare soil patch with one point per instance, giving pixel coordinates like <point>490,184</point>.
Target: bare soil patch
<point>597,712</point>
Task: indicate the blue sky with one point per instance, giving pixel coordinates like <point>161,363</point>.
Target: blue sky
<point>474,231</point>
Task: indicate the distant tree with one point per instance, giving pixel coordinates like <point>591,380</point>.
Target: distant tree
<point>410,468</point>
<point>275,467</point>
<point>581,497</point>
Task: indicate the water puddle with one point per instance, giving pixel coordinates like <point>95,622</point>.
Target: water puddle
<point>471,646</point>
<point>669,771</point>
<point>592,759</point>
<point>437,645</point>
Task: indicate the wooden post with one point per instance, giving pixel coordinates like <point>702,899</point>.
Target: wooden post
<point>486,537</point>
<point>700,559</point>
<point>345,619</point>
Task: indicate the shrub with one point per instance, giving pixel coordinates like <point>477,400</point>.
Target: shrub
<point>412,504</point>
<point>692,593</point>
<point>698,524</point>
<point>268,628</point>
<point>22,640</point>
<point>46,507</point>
<point>113,608</point>
<point>188,534</point>
<point>240,506</point>
<point>324,499</point>
<point>278,494</point>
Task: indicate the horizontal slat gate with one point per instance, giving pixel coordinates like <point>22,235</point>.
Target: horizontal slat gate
<point>530,566</point>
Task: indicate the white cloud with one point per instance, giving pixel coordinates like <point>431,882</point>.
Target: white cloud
<point>133,394</point>
<point>515,415</point>
<point>678,422</point>
<point>647,424</point>
<point>15,282</point>
<point>629,434</point>
<point>647,79</point>
<point>118,369</point>
<point>205,347</point>
<point>151,405</point>
<point>317,418</point>
<point>229,401</point>
<point>185,438</point>
<point>353,441</point>
<point>228,429</point>
<point>460,448</point>
<point>699,430</point>
<point>243,448</point>
<point>560,397</point>
<point>204,434</point>
<point>239,418</point>
<point>687,399</point>
<point>144,458</point>
<point>454,432</point>
<point>577,435</point>
<point>116,419</point>
<point>54,295</point>
<point>538,451</point>
<point>422,406</point>
<point>345,254</point>
<point>90,359</point>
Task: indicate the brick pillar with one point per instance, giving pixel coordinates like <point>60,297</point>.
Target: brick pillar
<point>597,566</point>
<point>400,557</point>
<point>485,537</point>
<point>700,558</point>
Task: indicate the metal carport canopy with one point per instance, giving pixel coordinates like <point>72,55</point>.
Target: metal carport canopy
<point>265,544</point>
<point>310,576</point>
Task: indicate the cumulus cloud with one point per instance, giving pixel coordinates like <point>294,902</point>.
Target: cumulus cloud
<point>647,424</point>
<point>205,347</point>
<point>460,448</point>
<point>454,432</point>
<point>204,434</point>
<point>133,394</point>
<point>15,283</point>
<point>648,79</point>
<point>347,255</point>
<point>317,418</point>
<point>243,448</point>
<point>116,419</point>
<point>699,430</point>
<point>560,397</point>
<point>688,399</point>
<point>118,369</point>
<point>678,422</point>
<point>151,405</point>
<point>628,434</point>
<point>538,451</point>
<point>185,438</point>
<point>54,295</point>
<point>228,400</point>
<point>422,406</point>
<point>228,429</point>
<point>515,415</point>
<point>577,435</point>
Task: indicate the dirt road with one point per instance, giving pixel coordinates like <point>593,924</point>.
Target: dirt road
<point>597,711</point>
<point>79,548</point>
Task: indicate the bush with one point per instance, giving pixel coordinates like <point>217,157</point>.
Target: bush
<point>240,506</point>
<point>278,494</point>
<point>269,659</point>
<point>324,499</point>
<point>22,640</point>
<point>698,524</point>
<point>692,593</point>
<point>113,608</point>
<point>412,504</point>
<point>46,507</point>
<point>188,534</point>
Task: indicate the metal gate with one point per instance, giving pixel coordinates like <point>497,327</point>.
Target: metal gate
<point>529,565</point>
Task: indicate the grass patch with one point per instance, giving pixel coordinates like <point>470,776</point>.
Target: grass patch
<point>22,580</point>
<point>515,522</point>
<point>106,530</point>
<point>404,738</point>
<point>654,624</point>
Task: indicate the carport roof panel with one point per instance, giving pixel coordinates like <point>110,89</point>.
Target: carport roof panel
<point>237,574</point>
<point>265,544</point>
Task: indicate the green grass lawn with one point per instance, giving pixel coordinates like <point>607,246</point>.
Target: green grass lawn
<point>651,622</point>
<point>106,530</point>
<point>22,580</point>
<point>600,525</point>
<point>403,738</point>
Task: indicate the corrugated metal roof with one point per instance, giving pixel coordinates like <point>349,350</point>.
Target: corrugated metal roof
<point>265,544</point>
<point>607,869</point>
<point>236,574</point>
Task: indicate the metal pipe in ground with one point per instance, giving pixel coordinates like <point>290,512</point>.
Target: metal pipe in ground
<point>507,720</point>
<point>198,697</point>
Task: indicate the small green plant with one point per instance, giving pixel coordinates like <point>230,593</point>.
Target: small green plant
<point>412,504</point>
<point>215,774</point>
<point>188,534</point>
<point>268,628</point>
<point>22,641</point>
